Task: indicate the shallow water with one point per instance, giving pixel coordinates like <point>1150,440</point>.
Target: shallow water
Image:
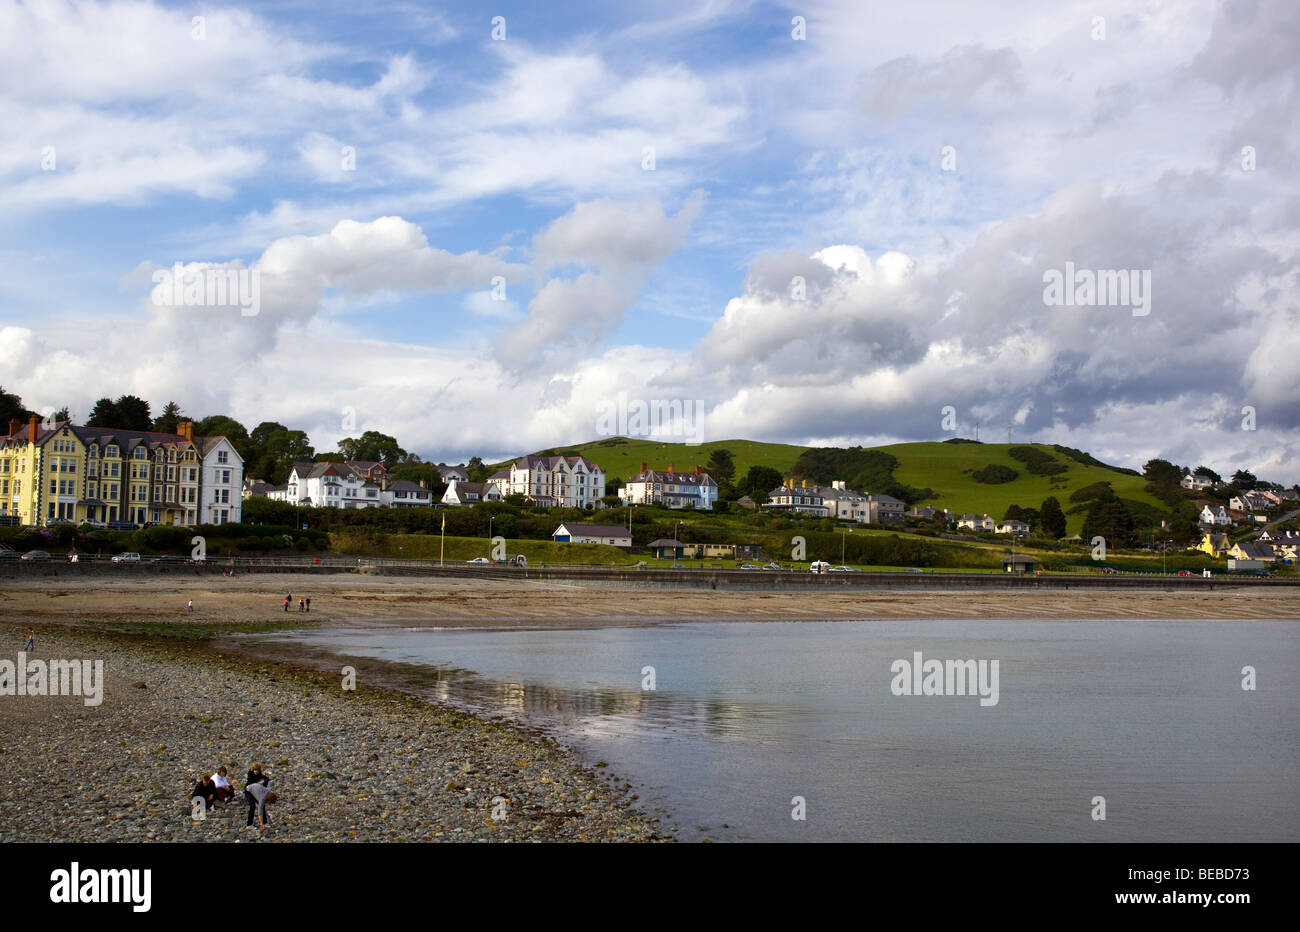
<point>744,717</point>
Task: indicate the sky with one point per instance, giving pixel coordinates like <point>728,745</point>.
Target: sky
<point>481,229</point>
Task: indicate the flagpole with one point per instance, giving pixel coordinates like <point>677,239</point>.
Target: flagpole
<point>442,542</point>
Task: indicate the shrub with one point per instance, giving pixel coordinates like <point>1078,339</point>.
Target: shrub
<point>994,474</point>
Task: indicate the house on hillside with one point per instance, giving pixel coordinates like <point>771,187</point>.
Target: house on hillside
<point>328,485</point>
<point>554,481</point>
<point>406,494</point>
<point>1015,527</point>
<point>1213,516</point>
<point>1249,501</point>
<point>1196,482</point>
<point>470,493</point>
<point>668,487</point>
<point>1214,544</point>
<point>977,523</point>
<point>798,497</point>
<point>1253,550</point>
<point>579,533</point>
<point>449,473</point>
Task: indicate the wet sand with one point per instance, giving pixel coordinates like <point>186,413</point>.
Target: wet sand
<point>350,599</point>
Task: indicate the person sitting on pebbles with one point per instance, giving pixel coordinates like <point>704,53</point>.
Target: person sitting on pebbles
<point>224,790</point>
<point>206,790</point>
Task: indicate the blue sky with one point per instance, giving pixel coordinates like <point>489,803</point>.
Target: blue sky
<point>1111,135</point>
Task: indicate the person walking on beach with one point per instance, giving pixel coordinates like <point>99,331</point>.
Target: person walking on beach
<point>287,600</point>
<point>300,608</point>
<point>190,607</point>
<point>309,603</point>
<point>31,641</point>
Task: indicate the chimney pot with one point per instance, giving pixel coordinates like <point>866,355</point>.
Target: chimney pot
<point>15,424</point>
<point>32,422</point>
<point>643,469</point>
<point>670,467</point>
<point>697,469</point>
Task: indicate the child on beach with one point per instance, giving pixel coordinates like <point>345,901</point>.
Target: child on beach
<point>190,606</point>
<point>287,600</point>
<point>206,790</point>
<point>300,605</point>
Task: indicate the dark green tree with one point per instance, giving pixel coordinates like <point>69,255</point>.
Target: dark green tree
<point>132,413</point>
<point>1052,517</point>
<point>171,416</point>
<point>103,414</point>
<point>11,409</point>
<point>372,446</point>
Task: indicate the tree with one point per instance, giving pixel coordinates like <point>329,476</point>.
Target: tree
<point>1052,517</point>
<point>1208,472</point>
<point>169,420</point>
<point>372,446</point>
<point>1111,520</point>
<point>759,481</point>
<point>11,409</point>
<point>103,414</point>
<point>721,466</point>
<point>1244,481</point>
<point>1162,473</point>
<point>132,413</point>
<point>476,470</point>
<point>262,431</point>
<point>218,425</point>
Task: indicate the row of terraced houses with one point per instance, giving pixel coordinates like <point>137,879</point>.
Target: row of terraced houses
<point>62,473</point>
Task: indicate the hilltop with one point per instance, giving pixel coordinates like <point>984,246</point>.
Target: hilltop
<point>946,470</point>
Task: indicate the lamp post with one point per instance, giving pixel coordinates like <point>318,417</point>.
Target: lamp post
<point>844,536</point>
<point>491,518</point>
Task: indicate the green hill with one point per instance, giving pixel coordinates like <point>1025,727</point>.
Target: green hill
<point>946,469</point>
<point>622,457</point>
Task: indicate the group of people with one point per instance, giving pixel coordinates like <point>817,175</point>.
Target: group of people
<point>216,788</point>
<point>304,605</point>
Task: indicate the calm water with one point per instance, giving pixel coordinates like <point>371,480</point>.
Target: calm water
<point>1149,714</point>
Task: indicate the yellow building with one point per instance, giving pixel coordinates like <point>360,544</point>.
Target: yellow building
<point>58,473</point>
<point>1214,544</point>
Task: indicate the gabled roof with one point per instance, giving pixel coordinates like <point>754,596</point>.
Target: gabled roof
<point>703,479</point>
<point>594,530</point>
<point>405,485</point>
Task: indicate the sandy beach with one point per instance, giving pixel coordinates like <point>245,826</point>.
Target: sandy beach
<point>350,598</point>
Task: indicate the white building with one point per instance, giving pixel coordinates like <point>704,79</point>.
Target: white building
<point>977,522</point>
<point>328,485</point>
<point>799,497</point>
<point>1211,515</point>
<point>612,534</point>
<point>222,480</point>
<point>470,493</point>
<point>1015,527</point>
<point>555,481</point>
<point>669,487</point>
<point>403,493</point>
<point>1196,482</point>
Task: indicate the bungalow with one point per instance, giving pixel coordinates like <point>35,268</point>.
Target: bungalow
<point>449,473</point>
<point>1214,544</point>
<point>1210,516</point>
<point>614,535</point>
<point>665,549</point>
<point>406,494</point>
<point>1020,564</point>
<point>977,522</point>
<point>470,493</point>
<point>1018,528</point>
<point>1253,550</point>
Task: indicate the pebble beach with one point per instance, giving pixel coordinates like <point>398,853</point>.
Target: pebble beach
<point>363,765</point>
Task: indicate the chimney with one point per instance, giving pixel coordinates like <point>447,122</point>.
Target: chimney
<point>31,428</point>
<point>805,483</point>
<point>186,430</point>
<point>15,424</point>
<point>422,484</point>
<point>643,469</point>
<point>697,469</point>
<point>670,467</point>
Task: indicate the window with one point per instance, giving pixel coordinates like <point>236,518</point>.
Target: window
<point>225,476</point>
<point>221,456</point>
<point>54,486</point>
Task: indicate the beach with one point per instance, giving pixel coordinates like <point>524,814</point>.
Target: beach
<point>374,764</point>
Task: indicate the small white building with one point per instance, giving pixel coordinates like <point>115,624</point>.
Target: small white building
<point>1196,482</point>
<point>977,523</point>
<point>578,533</point>
<point>470,493</point>
<point>1213,516</point>
<point>1013,526</point>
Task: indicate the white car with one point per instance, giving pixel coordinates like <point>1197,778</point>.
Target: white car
<point>479,560</point>
<point>127,557</point>
<point>844,569</point>
<point>819,566</point>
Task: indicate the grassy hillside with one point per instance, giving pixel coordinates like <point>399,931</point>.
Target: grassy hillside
<point>946,468</point>
<point>622,457</point>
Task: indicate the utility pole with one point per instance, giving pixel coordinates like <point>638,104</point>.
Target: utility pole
<point>977,431</point>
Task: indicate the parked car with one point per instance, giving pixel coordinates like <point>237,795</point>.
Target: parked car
<point>479,560</point>
<point>772,566</point>
<point>1110,570</point>
<point>34,555</point>
<point>912,569</point>
<point>1186,573</point>
<point>844,569</point>
<point>171,558</point>
<point>817,566</point>
<point>10,555</point>
<point>678,566</point>
<point>127,557</point>
<point>749,566</point>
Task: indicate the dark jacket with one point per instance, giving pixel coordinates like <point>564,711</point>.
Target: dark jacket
<point>254,778</point>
